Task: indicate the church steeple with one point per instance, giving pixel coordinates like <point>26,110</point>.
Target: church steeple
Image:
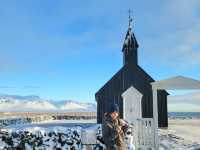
<point>130,46</point>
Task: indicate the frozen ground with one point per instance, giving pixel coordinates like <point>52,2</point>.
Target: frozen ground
<point>43,137</point>
<point>182,134</point>
<point>70,121</point>
<point>189,129</point>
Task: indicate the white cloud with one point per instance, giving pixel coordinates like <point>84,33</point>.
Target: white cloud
<point>183,107</point>
<point>185,52</point>
<point>178,42</point>
<point>180,13</point>
<point>187,102</point>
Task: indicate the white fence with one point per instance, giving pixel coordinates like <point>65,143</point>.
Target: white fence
<point>143,134</point>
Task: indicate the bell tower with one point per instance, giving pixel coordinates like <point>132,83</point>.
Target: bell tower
<point>130,46</point>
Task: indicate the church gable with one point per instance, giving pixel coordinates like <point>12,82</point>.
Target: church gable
<point>128,75</point>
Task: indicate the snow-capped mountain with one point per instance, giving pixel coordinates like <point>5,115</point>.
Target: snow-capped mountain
<point>35,103</point>
<point>74,105</point>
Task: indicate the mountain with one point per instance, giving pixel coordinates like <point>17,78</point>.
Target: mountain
<point>75,105</point>
<point>35,103</point>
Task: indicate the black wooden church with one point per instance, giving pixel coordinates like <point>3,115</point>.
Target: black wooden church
<point>131,74</point>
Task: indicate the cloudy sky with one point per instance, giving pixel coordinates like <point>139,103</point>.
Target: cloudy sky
<point>62,49</point>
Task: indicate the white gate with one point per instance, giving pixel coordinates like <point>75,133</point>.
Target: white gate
<point>143,132</point>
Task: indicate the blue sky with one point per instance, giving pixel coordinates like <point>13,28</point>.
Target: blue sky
<point>69,49</point>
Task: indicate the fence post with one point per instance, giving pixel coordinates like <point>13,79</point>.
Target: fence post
<point>155,118</point>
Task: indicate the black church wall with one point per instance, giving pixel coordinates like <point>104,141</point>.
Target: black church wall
<point>162,108</point>
<point>113,89</point>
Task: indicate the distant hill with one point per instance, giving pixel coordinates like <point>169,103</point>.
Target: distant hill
<point>34,103</point>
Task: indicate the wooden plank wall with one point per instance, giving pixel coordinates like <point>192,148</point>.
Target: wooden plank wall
<point>127,76</point>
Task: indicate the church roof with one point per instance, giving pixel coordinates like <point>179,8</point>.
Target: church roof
<point>130,40</point>
<point>139,72</point>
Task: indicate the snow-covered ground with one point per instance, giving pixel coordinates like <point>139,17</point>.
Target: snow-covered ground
<point>54,123</point>
<point>182,134</point>
<point>70,121</point>
<point>48,137</point>
<point>189,129</point>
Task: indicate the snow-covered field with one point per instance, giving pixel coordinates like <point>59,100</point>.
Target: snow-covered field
<point>182,134</point>
<point>188,129</point>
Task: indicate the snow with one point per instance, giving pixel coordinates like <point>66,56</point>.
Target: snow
<point>14,103</point>
<point>2,144</point>
<point>69,121</point>
<point>188,129</point>
<point>182,134</point>
<point>62,137</point>
<point>129,37</point>
<point>72,105</point>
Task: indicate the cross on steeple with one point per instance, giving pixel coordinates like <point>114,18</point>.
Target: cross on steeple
<point>129,18</point>
<point>130,45</point>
